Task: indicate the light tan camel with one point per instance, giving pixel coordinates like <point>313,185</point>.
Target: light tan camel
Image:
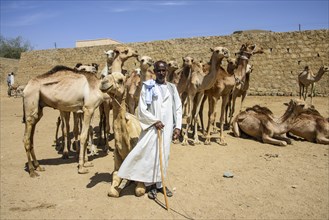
<point>63,89</point>
<point>259,122</point>
<point>311,126</point>
<point>223,87</point>
<point>307,78</point>
<point>135,81</point>
<point>198,84</point>
<point>126,130</point>
<point>242,75</point>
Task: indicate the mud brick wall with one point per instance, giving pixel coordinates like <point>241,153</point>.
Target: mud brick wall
<point>275,71</point>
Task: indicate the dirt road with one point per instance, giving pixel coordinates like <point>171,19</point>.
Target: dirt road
<point>269,182</point>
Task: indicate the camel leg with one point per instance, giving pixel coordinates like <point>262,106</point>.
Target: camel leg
<point>232,104</point>
<point>66,117</point>
<point>221,141</point>
<point>76,118</point>
<point>195,105</point>
<point>236,129</point>
<point>282,137</point>
<point>306,91</point>
<point>300,91</point>
<point>269,140</point>
<point>312,93</point>
<point>211,113</point>
<point>30,125</point>
<point>83,163</point>
<point>140,189</point>
<point>116,180</point>
<point>58,123</point>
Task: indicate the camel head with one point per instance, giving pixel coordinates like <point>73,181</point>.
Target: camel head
<point>145,62</point>
<point>249,49</point>
<point>324,69</point>
<point>187,61</point>
<point>109,54</point>
<point>124,53</point>
<point>113,84</point>
<point>173,65</point>
<point>205,66</point>
<point>218,53</point>
<point>296,106</point>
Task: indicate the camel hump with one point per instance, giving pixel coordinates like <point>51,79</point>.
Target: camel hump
<point>260,110</point>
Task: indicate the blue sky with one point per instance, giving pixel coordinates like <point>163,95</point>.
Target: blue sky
<point>44,23</point>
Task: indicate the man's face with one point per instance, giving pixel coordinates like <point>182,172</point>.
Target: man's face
<point>161,74</point>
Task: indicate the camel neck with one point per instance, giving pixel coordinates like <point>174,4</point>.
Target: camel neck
<point>117,65</point>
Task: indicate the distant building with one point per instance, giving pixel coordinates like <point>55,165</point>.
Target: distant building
<point>96,42</point>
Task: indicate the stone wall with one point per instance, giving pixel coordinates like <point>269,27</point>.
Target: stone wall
<point>275,72</point>
<point>7,66</point>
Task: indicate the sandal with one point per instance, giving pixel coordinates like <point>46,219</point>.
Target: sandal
<point>168,192</point>
<point>152,194</point>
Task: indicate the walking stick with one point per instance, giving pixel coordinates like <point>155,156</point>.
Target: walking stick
<point>161,169</point>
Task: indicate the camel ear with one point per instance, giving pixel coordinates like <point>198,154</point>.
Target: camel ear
<point>138,59</point>
<point>211,49</point>
<point>286,103</point>
<point>183,59</point>
<point>126,51</point>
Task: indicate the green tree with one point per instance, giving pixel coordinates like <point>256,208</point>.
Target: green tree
<point>13,47</point>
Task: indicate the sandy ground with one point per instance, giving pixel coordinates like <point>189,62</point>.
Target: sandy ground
<point>269,182</point>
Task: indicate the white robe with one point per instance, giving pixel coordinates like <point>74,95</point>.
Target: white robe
<point>142,163</point>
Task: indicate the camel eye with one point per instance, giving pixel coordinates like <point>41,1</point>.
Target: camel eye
<point>120,81</point>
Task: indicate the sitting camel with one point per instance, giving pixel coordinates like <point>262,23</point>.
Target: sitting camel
<point>64,89</point>
<point>311,126</point>
<point>135,80</point>
<point>307,78</point>
<point>259,122</point>
<point>126,130</point>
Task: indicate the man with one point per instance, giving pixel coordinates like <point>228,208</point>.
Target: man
<point>9,84</point>
<point>159,108</point>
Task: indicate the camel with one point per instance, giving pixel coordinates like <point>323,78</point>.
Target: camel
<point>242,76</point>
<point>172,67</point>
<point>223,87</point>
<point>311,126</point>
<point>63,89</point>
<point>126,130</point>
<point>198,84</point>
<point>259,122</point>
<point>134,82</point>
<point>307,78</point>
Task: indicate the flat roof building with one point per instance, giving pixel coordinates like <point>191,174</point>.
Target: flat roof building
<point>96,42</point>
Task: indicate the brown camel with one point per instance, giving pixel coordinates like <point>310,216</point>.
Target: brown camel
<point>199,83</point>
<point>134,82</point>
<point>172,67</point>
<point>64,89</point>
<point>126,130</point>
<point>259,122</point>
<point>311,126</point>
<point>307,78</point>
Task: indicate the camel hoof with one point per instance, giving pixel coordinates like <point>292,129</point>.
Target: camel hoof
<point>82,170</point>
<point>221,142</point>
<point>207,142</point>
<point>139,191</point>
<point>184,143</point>
<point>33,174</point>
<point>39,168</point>
<point>88,164</point>
<point>65,155</point>
<point>113,193</point>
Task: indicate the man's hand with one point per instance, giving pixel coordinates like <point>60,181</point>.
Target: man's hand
<point>176,134</point>
<point>159,125</point>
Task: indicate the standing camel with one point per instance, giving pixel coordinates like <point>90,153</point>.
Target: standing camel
<point>242,75</point>
<point>307,78</point>
<point>63,89</point>
<point>198,84</point>
<point>134,82</point>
